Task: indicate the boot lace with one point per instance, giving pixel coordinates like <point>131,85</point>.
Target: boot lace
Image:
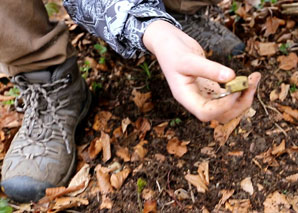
<point>40,110</point>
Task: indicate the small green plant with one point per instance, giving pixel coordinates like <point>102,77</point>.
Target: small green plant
<point>175,122</point>
<point>102,51</point>
<point>96,87</point>
<point>263,2</point>
<point>284,48</point>
<point>141,183</point>
<point>52,8</point>
<point>85,69</point>
<point>146,69</point>
<point>234,7</point>
<point>293,88</point>
<point>4,207</point>
<point>15,92</point>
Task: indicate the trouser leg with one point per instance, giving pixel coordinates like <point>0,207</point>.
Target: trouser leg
<point>188,6</point>
<point>28,40</point>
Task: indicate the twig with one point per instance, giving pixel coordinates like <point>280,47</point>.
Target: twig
<point>172,194</point>
<point>274,109</point>
<point>281,129</point>
<point>191,192</point>
<point>259,98</point>
<point>158,186</point>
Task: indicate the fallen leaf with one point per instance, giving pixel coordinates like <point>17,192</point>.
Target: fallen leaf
<point>288,110</point>
<point>9,119</point>
<point>63,203</point>
<point>272,24</point>
<point>181,194</point>
<point>140,99</point>
<point>246,185</point>
<point>267,49</point>
<point>280,149</point>
<point>226,194</point>
<point>274,95</point>
<point>106,146</point>
<point>222,132</point>
<point>114,167</point>
<point>124,123</point>
<point>288,62</point>
<point>118,178</point>
<point>236,153</point>
<point>6,98</point>
<point>148,194</point>
<point>82,177</point>
<point>150,206</point>
<point>94,148</point>
<point>143,125</point>
<point>276,202</point>
<point>103,179</point>
<point>160,157</point>
<point>160,129</point>
<point>241,206</point>
<point>292,178</point>
<point>106,202</point>
<point>201,180</point>
<point>208,151</point>
<point>284,91</point>
<point>91,61</point>
<point>294,79</point>
<point>123,153</point>
<point>294,202</point>
<point>101,121</point>
<point>139,151</point>
<point>176,147</point>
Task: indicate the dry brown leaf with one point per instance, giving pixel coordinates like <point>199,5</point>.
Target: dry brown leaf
<point>267,49</point>
<point>6,98</point>
<point>201,180</point>
<point>294,202</point>
<point>143,125</point>
<point>9,119</point>
<point>94,148</point>
<point>238,206</point>
<point>280,149</point>
<point>236,153</point>
<point>288,110</point>
<point>160,157</point>
<point>176,147</point>
<point>160,129</point>
<point>292,178</point>
<point>294,79</point>
<point>82,177</point>
<point>272,24</point>
<point>139,151</point>
<point>148,194</point>
<point>181,194</point>
<point>246,185</point>
<point>226,194</point>
<point>150,206</point>
<point>274,95</point>
<point>284,91</point>
<point>288,62</point>
<point>101,121</point>
<point>208,151</point>
<point>140,99</point>
<point>103,179</point>
<point>106,202</point>
<point>117,133</point>
<point>106,146</point>
<point>268,158</point>
<point>123,153</point>
<point>63,203</point>
<point>222,132</point>
<point>118,179</point>
<point>124,124</point>
<point>92,62</point>
<point>276,202</point>
<point>241,12</point>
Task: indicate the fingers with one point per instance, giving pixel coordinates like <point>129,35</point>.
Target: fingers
<point>197,66</point>
<point>244,101</point>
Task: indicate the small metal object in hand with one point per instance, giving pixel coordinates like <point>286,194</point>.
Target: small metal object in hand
<point>238,84</point>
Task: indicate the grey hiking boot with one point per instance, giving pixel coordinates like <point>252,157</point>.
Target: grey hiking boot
<point>42,154</point>
<point>212,36</point>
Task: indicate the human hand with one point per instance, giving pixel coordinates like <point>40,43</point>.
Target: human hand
<point>192,78</point>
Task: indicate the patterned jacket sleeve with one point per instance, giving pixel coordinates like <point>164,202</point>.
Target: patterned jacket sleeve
<point>121,23</point>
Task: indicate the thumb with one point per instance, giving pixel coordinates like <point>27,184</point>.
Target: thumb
<point>198,66</point>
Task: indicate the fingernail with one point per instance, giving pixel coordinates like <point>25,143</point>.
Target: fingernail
<point>224,75</point>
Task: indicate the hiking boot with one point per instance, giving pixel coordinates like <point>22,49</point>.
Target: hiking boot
<point>212,36</point>
<point>42,154</point>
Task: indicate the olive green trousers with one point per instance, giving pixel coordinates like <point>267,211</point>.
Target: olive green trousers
<point>29,41</point>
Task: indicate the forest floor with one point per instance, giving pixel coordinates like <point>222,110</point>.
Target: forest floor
<point>140,151</point>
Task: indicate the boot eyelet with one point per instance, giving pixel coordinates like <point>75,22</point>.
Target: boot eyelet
<point>69,78</point>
